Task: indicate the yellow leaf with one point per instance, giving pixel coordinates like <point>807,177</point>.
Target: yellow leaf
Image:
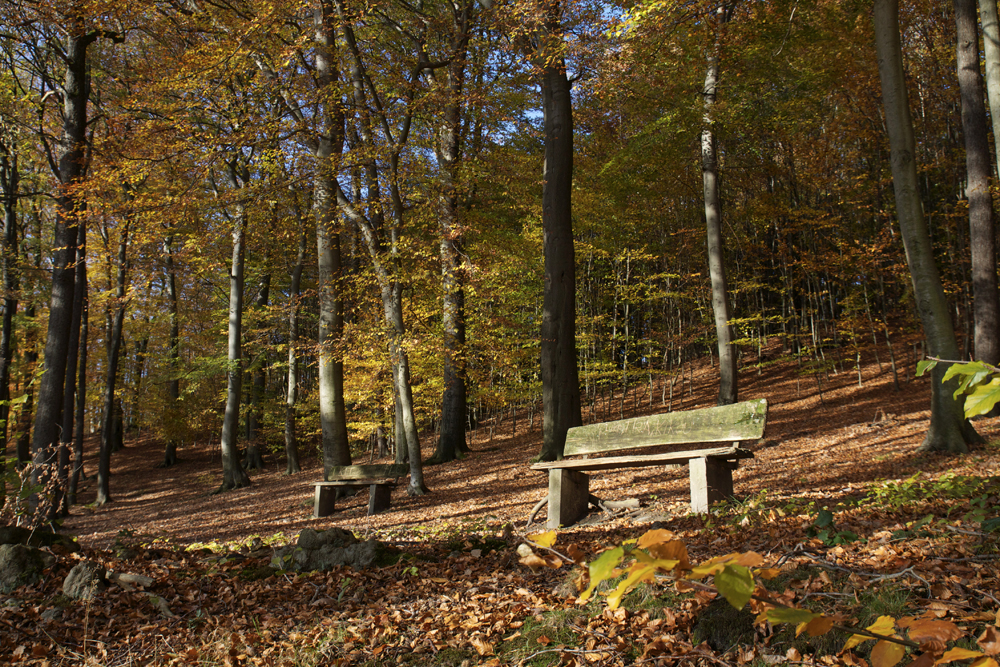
<point>853,641</point>
<point>887,654</point>
<point>819,626</point>
<point>984,661</point>
<point>545,540</point>
<point>957,653</point>
<point>768,573</point>
<point>883,626</point>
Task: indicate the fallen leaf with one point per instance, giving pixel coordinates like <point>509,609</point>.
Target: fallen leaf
<point>887,653</point>
<point>922,630</point>
<point>989,641</point>
<point>482,646</point>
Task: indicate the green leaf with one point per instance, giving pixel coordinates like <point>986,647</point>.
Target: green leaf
<point>823,519</point>
<point>790,615</point>
<point>735,583</point>
<point>602,569</point>
<point>637,573</point>
<point>925,365</point>
<point>983,398</point>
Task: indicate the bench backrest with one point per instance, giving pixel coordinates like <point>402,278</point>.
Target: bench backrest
<point>724,423</point>
<point>373,471</point>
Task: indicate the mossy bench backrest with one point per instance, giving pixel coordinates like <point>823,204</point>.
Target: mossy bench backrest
<point>371,471</point>
<point>725,423</point>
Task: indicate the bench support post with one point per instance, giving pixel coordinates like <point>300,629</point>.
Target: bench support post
<point>378,498</point>
<point>323,501</point>
<point>569,495</point>
<point>711,481</point>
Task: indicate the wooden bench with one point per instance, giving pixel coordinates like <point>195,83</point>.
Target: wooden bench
<point>710,469</point>
<point>379,478</point>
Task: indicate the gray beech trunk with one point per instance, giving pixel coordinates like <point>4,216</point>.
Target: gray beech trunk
<point>713,222</point>
<point>67,432</point>
<point>560,379</point>
<point>233,474</point>
<point>110,419</point>
<point>991,57</point>
<point>449,154</point>
<point>71,168</point>
<point>254,457</point>
<point>81,389</point>
<point>329,147</point>
<point>291,440</point>
<point>173,355</point>
<point>982,238</point>
<point>949,430</point>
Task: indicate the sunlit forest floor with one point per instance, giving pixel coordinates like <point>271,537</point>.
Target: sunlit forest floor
<point>460,596</point>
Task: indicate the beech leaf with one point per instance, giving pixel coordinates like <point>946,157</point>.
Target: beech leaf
<point>887,654</point>
<point>603,568</point>
<point>545,540</point>
<point>653,537</point>
<point>989,641</point>
<point>923,629</point>
<point>735,582</point>
<point>789,615</point>
<point>951,655</point>
<point>883,626</point>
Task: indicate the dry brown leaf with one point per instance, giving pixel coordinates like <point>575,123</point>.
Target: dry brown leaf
<point>922,630</point>
<point>989,641</point>
<point>482,646</point>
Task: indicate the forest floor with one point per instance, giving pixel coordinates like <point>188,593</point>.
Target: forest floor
<point>830,499</point>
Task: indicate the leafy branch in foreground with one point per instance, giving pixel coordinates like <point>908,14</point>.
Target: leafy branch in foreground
<point>735,577</point>
<point>979,382</point>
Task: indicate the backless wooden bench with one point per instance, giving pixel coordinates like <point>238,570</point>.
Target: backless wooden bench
<point>379,478</point>
<point>710,469</point>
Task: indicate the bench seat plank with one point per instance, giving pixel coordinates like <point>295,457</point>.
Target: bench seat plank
<point>368,471</point>
<point>643,460</point>
<point>739,422</point>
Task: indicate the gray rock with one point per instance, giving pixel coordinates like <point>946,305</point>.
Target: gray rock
<point>21,565</point>
<point>326,550</point>
<point>336,537</point>
<point>52,614</point>
<point>84,581</point>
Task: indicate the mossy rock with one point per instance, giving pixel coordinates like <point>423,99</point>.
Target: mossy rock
<point>723,626</point>
<point>256,573</point>
<point>22,565</point>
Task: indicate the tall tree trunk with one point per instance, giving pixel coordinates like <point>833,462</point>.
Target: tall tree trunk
<point>109,422</point>
<point>48,411</point>
<point>330,145</point>
<point>949,430</point>
<point>291,440</point>
<point>982,238</point>
<point>69,392</point>
<point>254,458</point>
<point>81,388</point>
<point>560,379</point>
<point>449,154</point>
<point>173,357</point>
<point>713,222</point>
<point>392,301</point>
<point>9,185</point>
<point>233,474</point>
<point>991,57</point>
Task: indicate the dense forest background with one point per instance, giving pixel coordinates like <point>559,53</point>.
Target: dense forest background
<point>263,199</point>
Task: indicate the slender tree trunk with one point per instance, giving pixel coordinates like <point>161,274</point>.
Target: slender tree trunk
<point>173,356</point>
<point>330,145</point>
<point>560,379</point>
<point>254,458</point>
<point>291,440</point>
<point>949,430</point>
<point>991,52</point>
<point>109,420</point>
<point>81,389</point>
<point>48,410</point>
<point>69,393</point>
<point>713,220</point>
<point>982,238</point>
<point>233,474</point>
<point>10,185</point>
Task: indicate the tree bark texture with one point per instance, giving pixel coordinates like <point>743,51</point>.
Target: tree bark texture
<point>330,145</point>
<point>560,379</point>
<point>173,356</point>
<point>81,389</point>
<point>982,238</point>
<point>49,402</point>
<point>949,430</point>
<point>109,421</point>
<point>69,392</point>
<point>713,222</point>
<point>10,183</point>
<point>233,474</point>
<point>449,155</point>
<point>291,397</point>
<point>254,458</point>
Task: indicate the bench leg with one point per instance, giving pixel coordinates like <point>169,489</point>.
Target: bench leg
<point>569,495</point>
<point>323,501</point>
<point>711,481</point>
<point>378,498</point>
